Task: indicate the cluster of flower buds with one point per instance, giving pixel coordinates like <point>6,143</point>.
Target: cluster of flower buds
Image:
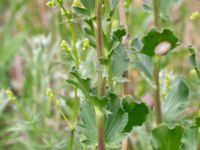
<point>11,95</point>
<point>195,15</point>
<point>86,43</point>
<point>53,3</point>
<point>65,46</point>
<point>77,3</point>
<point>50,94</point>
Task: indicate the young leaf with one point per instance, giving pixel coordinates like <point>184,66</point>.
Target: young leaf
<point>144,63</point>
<point>164,138</point>
<point>153,38</point>
<point>119,33</point>
<point>136,44</point>
<point>82,11</point>
<point>115,121</point>
<point>88,125</point>
<point>119,60</point>
<point>190,139</point>
<point>137,113</point>
<point>79,82</point>
<point>89,5</point>
<point>176,101</point>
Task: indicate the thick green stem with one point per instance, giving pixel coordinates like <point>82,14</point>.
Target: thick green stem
<point>156,8</point>
<point>157,92</point>
<point>100,54</point>
<point>100,122</point>
<point>156,5</point>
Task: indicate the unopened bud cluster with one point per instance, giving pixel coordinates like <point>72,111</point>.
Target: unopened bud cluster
<point>11,95</point>
<point>195,15</point>
<point>77,3</point>
<point>65,46</point>
<point>53,3</point>
<point>86,43</point>
<point>49,93</point>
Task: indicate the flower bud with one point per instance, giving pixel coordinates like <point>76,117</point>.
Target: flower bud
<point>193,72</point>
<point>49,93</point>
<point>57,103</point>
<point>195,15</point>
<point>162,48</point>
<point>86,43</point>
<point>59,1</point>
<point>51,3</point>
<point>62,12</point>
<point>10,95</point>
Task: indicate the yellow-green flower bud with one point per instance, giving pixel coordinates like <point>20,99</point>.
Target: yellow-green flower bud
<point>57,103</point>
<point>77,3</point>
<point>49,93</point>
<point>10,95</point>
<point>195,15</point>
<point>193,72</point>
<point>86,43</point>
<point>65,46</point>
<point>114,24</point>
<point>62,12</point>
<point>59,1</point>
<point>51,3</point>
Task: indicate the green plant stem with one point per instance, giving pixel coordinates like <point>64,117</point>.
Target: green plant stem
<point>75,89</point>
<point>109,30</point>
<point>197,72</point>
<point>100,122</point>
<point>156,70</point>
<point>157,92</point>
<point>72,34</point>
<point>73,118</point>
<point>156,8</point>
<point>110,77</point>
<point>100,54</point>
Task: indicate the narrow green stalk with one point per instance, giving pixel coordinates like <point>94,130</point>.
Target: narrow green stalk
<point>110,77</point>
<point>100,54</point>
<point>73,119</point>
<point>74,43</point>
<point>72,34</point>
<point>70,21</point>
